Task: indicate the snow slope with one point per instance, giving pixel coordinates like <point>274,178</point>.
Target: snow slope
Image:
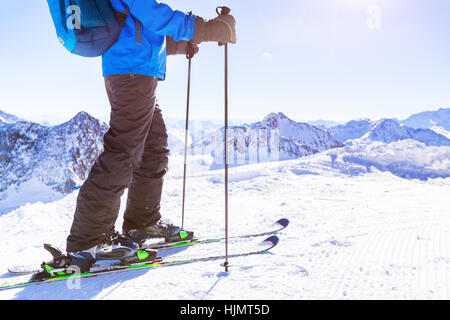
<point>8,118</point>
<point>354,234</point>
<point>441,131</point>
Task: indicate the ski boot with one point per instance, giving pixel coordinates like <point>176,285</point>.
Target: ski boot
<point>163,229</point>
<point>114,248</point>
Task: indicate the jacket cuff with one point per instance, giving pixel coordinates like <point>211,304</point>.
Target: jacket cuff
<point>200,30</point>
<point>171,46</point>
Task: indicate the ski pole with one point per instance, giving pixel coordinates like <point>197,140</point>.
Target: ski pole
<point>225,11</point>
<point>189,55</point>
<point>226,157</point>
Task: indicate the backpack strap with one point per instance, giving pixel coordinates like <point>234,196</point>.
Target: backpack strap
<point>138,32</point>
<point>126,13</point>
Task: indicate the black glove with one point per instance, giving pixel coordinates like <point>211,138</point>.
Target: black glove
<point>181,47</point>
<point>221,29</point>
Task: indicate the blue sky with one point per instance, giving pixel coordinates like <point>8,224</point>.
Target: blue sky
<point>311,59</point>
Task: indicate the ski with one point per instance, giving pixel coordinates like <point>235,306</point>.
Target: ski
<point>165,246</point>
<point>66,274</point>
<point>272,229</point>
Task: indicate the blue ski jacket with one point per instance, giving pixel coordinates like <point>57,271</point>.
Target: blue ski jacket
<point>157,20</point>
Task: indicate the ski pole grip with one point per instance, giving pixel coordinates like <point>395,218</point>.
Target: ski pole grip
<point>222,11</point>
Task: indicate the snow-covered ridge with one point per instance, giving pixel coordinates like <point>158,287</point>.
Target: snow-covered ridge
<point>36,158</point>
<point>428,128</point>
<point>274,138</point>
<point>390,131</point>
<point>428,119</point>
<point>351,130</point>
<point>8,118</point>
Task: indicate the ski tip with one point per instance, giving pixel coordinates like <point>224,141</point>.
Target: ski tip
<point>283,222</point>
<point>273,240</point>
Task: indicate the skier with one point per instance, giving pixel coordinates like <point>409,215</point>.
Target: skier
<point>135,147</point>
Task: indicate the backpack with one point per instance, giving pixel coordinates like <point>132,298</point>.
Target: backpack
<point>88,28</point>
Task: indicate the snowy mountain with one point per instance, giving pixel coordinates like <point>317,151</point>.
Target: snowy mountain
<point>8,118</point>
<point>429,119</point>
<point>176,138</point>
<point>198,129</point>
<point>387,130</point>
<point>324,124</point>
<point>274,138</point>
<point>390,131</point>
<point>195,125</point>
<point>352,130</point>
<point>297,139</point>
<point>40,162</point>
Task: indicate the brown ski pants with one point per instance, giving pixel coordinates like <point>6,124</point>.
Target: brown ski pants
<point>135,156</point>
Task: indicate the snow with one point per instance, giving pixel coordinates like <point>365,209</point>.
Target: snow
<point>32,190</point>
<point>441,131</point>
<point>358,231</point>
<point>8,118</point>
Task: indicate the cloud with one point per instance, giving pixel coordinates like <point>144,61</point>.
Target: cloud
<point>266,56</point>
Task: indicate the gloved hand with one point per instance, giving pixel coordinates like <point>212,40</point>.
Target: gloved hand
<point>221,29</point>
<point>180,47</point>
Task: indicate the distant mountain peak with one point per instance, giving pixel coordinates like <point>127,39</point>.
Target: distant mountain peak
<point>276,115</point>
<point>361,120</point>
<point>273,119</point>
<point>387,122</point>
<point>58,157</point>
<point>82,116</point>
